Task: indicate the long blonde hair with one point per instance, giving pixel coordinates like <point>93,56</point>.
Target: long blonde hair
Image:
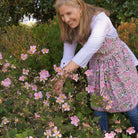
<point>83,30</point>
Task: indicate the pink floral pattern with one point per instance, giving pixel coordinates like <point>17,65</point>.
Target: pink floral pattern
<point>114,74</point>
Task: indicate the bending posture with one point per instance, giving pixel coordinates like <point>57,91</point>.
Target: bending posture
<point>111,62</point>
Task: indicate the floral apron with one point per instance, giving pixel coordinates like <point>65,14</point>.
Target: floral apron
<point>114,76</point>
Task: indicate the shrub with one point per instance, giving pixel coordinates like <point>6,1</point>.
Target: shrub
<point>128,32</point>
<point>48,35</point>
<point>29,106</point>
<point>121,10</point>
<point>16,40</point>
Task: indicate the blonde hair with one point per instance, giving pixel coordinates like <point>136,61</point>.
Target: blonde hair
<point>83,30</point>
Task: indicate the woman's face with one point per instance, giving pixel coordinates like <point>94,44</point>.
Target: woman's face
<point>70,15</point>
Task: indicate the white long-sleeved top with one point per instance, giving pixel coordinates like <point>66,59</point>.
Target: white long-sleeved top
<point>101,27</point>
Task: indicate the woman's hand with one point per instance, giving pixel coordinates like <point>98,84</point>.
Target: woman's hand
<point>70,67</point>
<point>58,87</point>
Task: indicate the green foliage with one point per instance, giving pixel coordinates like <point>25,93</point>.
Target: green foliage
<point>16,103</point>
<point>25,134</point>
<point>121,10</point>
<point>27,115</point>
<point>19,38</point>
<point>48,35</point>
<point>12,133</point>
<point>11,11</point>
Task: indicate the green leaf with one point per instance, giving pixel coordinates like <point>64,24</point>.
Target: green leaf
<point>12,133</point>
<point>125,136</point>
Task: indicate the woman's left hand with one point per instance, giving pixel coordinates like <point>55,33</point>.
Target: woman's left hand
<point>58,87</point>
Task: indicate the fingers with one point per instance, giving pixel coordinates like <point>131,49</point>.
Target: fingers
<point>58,90</point>
<point>58,87</point>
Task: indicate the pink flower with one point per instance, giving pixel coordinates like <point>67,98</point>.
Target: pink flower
<point>27,101</point>
<point>62,96</point>
<point>4,69</point>
<point>66,107</point>
<point>88,73</point>
<point>47,133</point>
<point>85,125</point>
<point>38,95</point>
<point>54,129</point>
<point>57,134</point>
<point>13,67</point>
<point>36,116</point>
<point>108,107</point>
<point>74,120</point>
<point>90,89</point>
<point>130,130</point>
<point>34,87</point>
<point>75,77</point>
<point>44,50</point>
<point>59,100</point>
<point>24,56</point>
<point>16,120</point>
<point>117,122</point>
<point>32,50</point>
<point>22,78</point>
<point>6,82</point>
<point>48,94</point>
<point>7,65</point>
<point>46,103</point>
<point>25,72</point>
<point>44,75</point>
<point>112,134</point>
<point>110,102</point>
<point>118,130</point>
<point>105,97</point>
<point>51,124</point>
<point>55,68</point>
<point>30,95</point>
<point>27,85</point>
<point>1,56</point>
<point>59,70</point>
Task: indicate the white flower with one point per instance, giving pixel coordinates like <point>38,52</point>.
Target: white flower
<point>5,121</point>
<point>47,133</point>
<point>57,135</point>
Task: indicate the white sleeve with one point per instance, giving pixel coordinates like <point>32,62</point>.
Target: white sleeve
<point>99,31</point>
<point>68,53</point>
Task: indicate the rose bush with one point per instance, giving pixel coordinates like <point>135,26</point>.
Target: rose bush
<point>29,107</point>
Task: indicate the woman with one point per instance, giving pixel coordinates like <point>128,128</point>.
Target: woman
<point>111,62</point>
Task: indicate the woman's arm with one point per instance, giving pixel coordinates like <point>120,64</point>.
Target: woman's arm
<point>67,64</point>
<point>68,53</point>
